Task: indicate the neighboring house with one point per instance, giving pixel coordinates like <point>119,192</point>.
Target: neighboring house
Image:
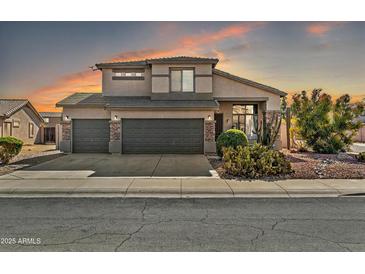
<point>164,105</point>
<point>360,136</point>
<point>50,128</point>
<point>20,119</point>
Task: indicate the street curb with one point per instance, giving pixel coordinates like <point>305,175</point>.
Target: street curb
<point>96,194</point>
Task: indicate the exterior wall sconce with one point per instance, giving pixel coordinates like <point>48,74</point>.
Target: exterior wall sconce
<point>209,117</point>
<point>115,117</point>
<point>227,120</point>
<point>67,118</point>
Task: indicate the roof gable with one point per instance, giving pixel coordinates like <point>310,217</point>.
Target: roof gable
<point>249,82</point>
<point>10,106</point>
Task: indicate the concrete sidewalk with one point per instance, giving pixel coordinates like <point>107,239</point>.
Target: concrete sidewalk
<point>176,187</point>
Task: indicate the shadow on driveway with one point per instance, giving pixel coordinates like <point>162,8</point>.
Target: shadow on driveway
<point>107,165</point>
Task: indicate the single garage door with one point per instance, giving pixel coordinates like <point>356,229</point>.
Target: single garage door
<point>165,136</point>
<point>90,135</point>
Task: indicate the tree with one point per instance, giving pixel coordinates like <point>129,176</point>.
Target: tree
<point>326,127</point>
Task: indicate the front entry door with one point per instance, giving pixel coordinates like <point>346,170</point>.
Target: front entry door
<point>50,135</point>
<point>218,117</point>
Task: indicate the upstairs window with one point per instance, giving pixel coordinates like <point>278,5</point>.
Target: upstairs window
<point>182,80</point>
<point>128,74</point>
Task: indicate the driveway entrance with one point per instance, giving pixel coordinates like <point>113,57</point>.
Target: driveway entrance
<point>107,165</point>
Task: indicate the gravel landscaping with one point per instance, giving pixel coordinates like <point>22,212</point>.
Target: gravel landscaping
<point>308,165</point>
<point>31,156</point>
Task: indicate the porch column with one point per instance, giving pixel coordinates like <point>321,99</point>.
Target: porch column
<point>115,145</point>
<point>209,136</point>
<point>65,144</point>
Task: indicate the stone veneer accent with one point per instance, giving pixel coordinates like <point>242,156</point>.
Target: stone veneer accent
<point>209,131</point>
<point>115,130</point>
<point>66,131</point>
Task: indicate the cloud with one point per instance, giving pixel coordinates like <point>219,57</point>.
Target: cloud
<point>232,31</point>
<point>322,28</point>
<point>237,49</point>
<point>45,98</point>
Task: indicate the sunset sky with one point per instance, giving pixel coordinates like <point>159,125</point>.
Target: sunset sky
<point>46,62</point>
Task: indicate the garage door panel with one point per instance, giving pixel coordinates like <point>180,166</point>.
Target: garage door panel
<point>162,136</point>
<point>90,135</point>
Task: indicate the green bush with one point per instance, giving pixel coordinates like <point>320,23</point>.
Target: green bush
<point>9,148</point>
<point>325,126</point>
<point>361,157</point>
<point>255,161</point>
<point>231,138</point>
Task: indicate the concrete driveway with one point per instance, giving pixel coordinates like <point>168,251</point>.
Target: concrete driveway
<point>107,165</point>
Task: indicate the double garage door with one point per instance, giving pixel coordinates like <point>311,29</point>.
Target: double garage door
<point>139,136</point>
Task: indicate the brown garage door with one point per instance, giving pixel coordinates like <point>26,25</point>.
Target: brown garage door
<point>163,136</point>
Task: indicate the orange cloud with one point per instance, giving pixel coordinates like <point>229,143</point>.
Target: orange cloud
<point>45,98</point>
<point>237,30</point>
<point>321,28</point>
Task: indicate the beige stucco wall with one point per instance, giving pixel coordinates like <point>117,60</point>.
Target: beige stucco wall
<point>53,121</point>
<point>360,136</point>
<point>126,87</point>
<point>203,84</point>
<point>162,114</point>
<point>224,87</point>
<point>85,113</point>
<point>22,132</point>
<point>161,84</point>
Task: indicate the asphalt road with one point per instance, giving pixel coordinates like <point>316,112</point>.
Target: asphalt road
<point>98,224</point>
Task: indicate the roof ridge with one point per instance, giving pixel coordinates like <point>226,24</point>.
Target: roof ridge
<point>147,60</point>
<point>11,99</point>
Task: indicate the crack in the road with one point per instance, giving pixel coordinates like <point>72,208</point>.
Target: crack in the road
<point>340,244</point>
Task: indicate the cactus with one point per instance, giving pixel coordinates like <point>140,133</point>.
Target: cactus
<point>267,130</point>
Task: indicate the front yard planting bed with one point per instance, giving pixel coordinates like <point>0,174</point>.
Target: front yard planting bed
<point>309,165</point>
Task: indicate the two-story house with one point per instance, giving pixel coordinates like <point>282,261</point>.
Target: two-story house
<point>164,105</point>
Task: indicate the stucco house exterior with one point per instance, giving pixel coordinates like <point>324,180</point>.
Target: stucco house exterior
<point>52,120</point>
<point>164,105</point>
<point>18,118</point>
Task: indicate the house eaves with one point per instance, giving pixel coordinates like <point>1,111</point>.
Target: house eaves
<point>81,100</point>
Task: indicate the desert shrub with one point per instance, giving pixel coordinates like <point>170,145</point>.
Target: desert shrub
<point>255,161</point>
<point>361,157</point>
<point>231,138</point>
<point>9,148</point>
<point>325,126</point>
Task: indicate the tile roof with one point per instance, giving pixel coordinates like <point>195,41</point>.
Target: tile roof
<point>164,60</point>
<point>9,106</point>
<point>51,114</point>
<point>248,82</point>
<point>97,100</point>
